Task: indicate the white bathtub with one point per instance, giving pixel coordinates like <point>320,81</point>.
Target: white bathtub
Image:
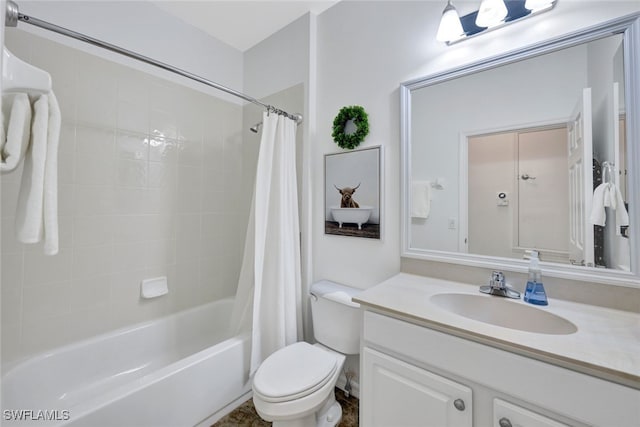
<point>351,215</point>
<point>176,371</point>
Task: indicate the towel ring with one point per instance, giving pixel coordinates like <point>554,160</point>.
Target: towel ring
<point>607,167</point>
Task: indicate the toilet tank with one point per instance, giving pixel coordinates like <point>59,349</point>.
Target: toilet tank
<point>336,319</point>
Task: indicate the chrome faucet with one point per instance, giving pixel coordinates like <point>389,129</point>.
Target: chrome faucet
<point>498,286</point>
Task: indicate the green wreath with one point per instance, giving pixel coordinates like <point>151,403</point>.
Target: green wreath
<point>359,117</point>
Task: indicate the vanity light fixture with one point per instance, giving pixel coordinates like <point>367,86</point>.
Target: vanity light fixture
<point>450,27</point>
<point>491,15</point>
<point>537,5</point>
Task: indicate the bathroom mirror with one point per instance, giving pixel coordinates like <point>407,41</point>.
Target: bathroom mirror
<point>503,156</point>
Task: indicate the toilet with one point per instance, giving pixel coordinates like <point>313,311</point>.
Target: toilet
<point>294,386</point>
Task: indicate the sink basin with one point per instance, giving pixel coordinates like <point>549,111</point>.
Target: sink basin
<point>502,312</point>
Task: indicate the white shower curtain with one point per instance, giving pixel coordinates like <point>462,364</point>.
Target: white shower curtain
<point>268,299</point>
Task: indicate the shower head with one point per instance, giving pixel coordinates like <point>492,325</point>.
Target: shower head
<point>255,128</point>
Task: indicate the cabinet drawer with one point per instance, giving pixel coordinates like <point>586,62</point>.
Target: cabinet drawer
<point>506,414</point>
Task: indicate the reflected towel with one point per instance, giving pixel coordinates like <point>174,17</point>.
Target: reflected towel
<point>607,195</point>
<point>420,199</point>
<point>14,130</point>
<point>37,212</point>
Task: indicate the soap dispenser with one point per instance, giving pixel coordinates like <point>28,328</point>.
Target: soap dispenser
<point>534,293</point>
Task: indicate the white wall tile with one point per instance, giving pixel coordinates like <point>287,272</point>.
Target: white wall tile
<point>163,175</point>
<point>132,146</point>
<point>129,256</point>
<point>132,173</point>
<point>160,254</point>
<point>41,269</point>
<point>94,200</point>
<point>11,305</point>
<point>132,116</point>
<point>11,271</point>
<point>89,293</point>
<point>163,149</point>
<point>45,301</point>
<point>67,153</point>
<point>9,191</point>
<point>126,285</point>
<point>162,123</point>
<point>94,170</point>
<point>10,244</point>
<point>190,153</point>
<point>10,345</point>
<point>141,162</point>
<point>92,261</point>
<point>95,141</point>
<point>93,230</point>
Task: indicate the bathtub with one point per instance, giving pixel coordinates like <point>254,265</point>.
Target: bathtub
<point>351,215</point>
<point>176,371</point>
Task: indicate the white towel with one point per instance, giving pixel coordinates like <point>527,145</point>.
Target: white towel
<point>598,215</point>
<point>14,130</point>
<point>37,212</point>
<point>420,199</point>
<point>607,195</point>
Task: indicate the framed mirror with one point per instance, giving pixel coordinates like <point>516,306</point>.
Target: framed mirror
<point>534,149</point>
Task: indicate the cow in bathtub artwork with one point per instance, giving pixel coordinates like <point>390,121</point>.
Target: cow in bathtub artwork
<point>353,210</point>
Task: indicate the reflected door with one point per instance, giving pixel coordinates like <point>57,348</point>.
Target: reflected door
<point>542,220</point>
<point>580,166</point>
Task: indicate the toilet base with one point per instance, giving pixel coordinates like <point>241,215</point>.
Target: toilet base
<point>329,415</point>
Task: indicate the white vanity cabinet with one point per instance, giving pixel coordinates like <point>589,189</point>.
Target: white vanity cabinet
<point>413,375</point>
<point>401,394</point>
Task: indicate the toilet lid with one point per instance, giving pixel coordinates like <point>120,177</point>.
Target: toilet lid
<point>294,371</point>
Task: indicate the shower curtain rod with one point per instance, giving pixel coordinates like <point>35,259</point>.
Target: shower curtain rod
<point>13,16</point>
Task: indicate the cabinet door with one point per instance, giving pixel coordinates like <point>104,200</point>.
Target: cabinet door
<point>508,415</point>
<point>398,394</point>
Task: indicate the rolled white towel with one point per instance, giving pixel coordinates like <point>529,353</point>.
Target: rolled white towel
<point>14,131</point>
<point>50,213</point>
<point>420,199</point>
<point>37,212</point>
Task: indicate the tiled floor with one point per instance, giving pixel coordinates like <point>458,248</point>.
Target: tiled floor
<point>245,415</point>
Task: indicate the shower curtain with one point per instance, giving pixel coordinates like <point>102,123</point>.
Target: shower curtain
<point>268,300</point>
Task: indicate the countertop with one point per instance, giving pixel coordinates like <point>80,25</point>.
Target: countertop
<point>606,343</point>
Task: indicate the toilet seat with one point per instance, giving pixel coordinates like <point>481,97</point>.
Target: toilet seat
<point>293,372</point>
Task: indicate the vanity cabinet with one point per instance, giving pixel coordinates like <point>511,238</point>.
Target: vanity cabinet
<point>401,394</point>
<point>413,375</point>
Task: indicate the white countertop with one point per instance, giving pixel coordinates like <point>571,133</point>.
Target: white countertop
<point>606,344</point>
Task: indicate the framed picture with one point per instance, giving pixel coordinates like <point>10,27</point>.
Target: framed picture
<point>352,193</point>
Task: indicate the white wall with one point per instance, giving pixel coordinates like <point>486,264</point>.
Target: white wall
<point>365,50</point>
<point>141,27</point>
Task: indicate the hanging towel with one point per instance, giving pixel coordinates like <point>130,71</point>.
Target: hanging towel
<point>37,212</point>
<point>607,195</point>
<point>420,199</point>
<point>14,131</point>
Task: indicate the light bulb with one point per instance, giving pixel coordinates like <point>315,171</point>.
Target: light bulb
<point>491,12</point>
<point>450,28</point>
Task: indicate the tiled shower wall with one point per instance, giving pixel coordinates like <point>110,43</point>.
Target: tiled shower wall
<point>150,180</point>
